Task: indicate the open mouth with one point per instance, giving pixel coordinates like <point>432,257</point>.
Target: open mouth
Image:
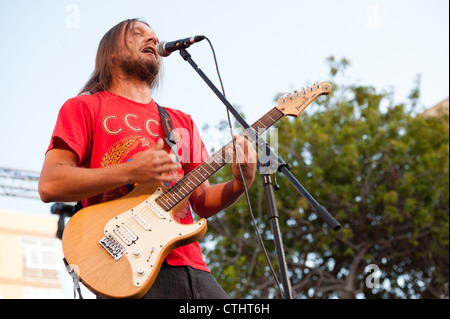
<point>149,50</point>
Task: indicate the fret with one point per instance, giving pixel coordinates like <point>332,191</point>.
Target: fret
<point>173,195</point>
<point>168,203</point>
<point>184,189</point>
<point>199,180</point>
<point>177,194</point>
<point>205,170</point>
<point>256,126</point>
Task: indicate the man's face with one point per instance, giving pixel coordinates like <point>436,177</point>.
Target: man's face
<point>139,60</point>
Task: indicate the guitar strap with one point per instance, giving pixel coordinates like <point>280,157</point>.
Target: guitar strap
<point>168,129</point>
<point>75,278</point>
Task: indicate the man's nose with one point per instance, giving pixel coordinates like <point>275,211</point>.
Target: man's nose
<point>151,39</point>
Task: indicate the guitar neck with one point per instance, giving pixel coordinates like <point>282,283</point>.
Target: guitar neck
<point>173,195</point>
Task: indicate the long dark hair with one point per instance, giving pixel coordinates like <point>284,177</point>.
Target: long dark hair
<point>101,78</point>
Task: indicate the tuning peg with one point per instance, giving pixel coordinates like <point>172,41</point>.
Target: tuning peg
<point>317,85</point>
<point>283,97</point>
<point>305,89</point>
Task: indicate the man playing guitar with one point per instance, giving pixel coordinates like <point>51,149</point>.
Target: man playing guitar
<point>109,138</point>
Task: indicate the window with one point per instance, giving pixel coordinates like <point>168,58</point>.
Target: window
<point>40,259</point>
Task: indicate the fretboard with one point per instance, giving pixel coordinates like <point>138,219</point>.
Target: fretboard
<point>173,195</point>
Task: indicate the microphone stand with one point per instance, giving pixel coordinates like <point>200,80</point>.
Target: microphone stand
<point>275,163</point>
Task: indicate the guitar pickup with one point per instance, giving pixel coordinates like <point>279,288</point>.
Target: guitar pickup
<point>141,221</point>
<point>156,209</point>
<point>125,234</point>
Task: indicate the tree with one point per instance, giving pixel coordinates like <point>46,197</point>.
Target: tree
<point>381,170</point>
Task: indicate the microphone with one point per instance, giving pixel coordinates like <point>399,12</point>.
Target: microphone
<point>166,48</point>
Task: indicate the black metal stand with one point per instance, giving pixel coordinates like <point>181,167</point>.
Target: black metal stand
<point>274,163</point>
<point>272,212</point>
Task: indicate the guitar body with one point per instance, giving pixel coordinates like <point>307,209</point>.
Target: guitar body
<point>117,247</point>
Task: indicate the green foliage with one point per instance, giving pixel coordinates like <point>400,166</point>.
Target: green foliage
<point>382,171</point>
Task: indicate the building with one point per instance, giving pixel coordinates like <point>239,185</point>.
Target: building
<point>437,110</point>
<point>30,256</point>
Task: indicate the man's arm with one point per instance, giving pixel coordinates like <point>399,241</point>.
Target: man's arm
<point>62,180</point>
<point>207,200</point>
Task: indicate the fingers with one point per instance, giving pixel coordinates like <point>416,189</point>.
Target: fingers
<point>245,151</point>
<point>159,145</point>
<point>166,168</point>
<point>155,164</point>
<point>163,164</point>
<point>165,172</point>
<point>246,156</point>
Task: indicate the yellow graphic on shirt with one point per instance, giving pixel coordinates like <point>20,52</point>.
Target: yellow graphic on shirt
<point>116,155</point>
<point>119,150</point>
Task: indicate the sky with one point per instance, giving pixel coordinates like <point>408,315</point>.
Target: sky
<point>263,47</point>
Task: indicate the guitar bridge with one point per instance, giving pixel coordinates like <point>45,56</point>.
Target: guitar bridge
<point>112,246</point>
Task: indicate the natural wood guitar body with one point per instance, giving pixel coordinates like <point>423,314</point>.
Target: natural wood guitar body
<point>132,275</point>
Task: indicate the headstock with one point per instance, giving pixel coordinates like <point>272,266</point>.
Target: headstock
<point>295,102</point>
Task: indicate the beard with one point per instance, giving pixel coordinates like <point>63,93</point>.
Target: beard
<point>145,70</point>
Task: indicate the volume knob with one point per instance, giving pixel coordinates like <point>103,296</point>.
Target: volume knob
<point>137,253</point>
<point>140,271</point>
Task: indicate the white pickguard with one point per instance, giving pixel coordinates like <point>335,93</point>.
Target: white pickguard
<point>143,232</point>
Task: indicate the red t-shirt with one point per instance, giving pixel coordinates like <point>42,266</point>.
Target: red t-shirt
<point>105,129</point>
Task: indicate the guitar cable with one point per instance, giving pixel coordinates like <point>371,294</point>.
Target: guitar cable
<point>247,197</point>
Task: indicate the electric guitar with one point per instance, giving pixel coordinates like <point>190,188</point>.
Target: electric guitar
<point>117,248</point>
